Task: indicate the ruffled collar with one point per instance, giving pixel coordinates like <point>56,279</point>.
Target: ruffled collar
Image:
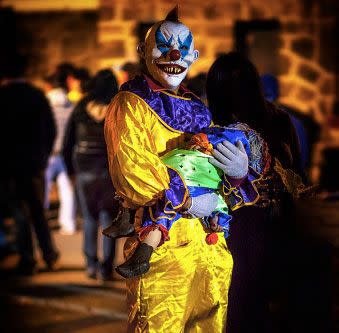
<point>183,112</point>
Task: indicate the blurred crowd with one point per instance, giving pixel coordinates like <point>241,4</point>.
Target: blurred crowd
<point>55,136</point>
<point>52,139</point>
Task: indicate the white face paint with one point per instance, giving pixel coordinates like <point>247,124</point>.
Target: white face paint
<point>169,53</point>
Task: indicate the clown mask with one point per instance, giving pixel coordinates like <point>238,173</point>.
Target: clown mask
<point>168,52</point>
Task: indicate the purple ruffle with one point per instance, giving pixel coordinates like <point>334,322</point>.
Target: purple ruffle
<point>181,115</point>
<point>163,212</point>
<point>245,194</point>
<point>177,193</point>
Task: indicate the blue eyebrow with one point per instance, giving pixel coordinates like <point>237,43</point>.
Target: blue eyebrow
<point>187,42</point>
<point>161,39</point>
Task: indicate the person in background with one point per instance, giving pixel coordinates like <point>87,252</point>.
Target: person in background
<point>126,72</point>
<point>197,84</point>
<point>85,155</point>
<point>131,69</point>
<point>77,83</point>
<point>27,136</point>
<point>261,236</point>
<point>62,108</point>
<point>63,71</point>
<point>306,128</point>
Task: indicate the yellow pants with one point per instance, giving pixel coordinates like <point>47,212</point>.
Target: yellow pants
<point>186,288</point>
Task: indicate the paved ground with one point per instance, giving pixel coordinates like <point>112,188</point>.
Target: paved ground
<point>63,301</point>
<point>68,302</point>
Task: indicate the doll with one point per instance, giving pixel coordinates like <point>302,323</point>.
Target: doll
<point>199,177</point>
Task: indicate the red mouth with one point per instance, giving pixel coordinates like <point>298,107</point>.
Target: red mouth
<point>171,68</point>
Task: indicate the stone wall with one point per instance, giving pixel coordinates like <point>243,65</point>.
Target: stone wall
<point>49,38</point>
<point>301,52</point>
<point>306,68</point>
<point>304,56</point>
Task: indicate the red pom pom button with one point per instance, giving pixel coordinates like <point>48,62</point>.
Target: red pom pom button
<point>212,239</point>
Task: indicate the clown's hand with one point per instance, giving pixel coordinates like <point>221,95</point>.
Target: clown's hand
<point>203,205</point>
<point>231,159</point>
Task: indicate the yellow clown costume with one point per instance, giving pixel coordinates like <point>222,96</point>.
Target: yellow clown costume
<point>186,288</point>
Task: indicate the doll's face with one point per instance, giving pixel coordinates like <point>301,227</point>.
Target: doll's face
<point>169,53</point>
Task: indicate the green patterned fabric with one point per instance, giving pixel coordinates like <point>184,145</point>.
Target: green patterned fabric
<point>196,170</point>
<point>194,167</point>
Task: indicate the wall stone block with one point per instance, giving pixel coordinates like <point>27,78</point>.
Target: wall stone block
<point>106,3</point>
<point>111,30</point>
<point>286,88</point>
<point>324,107</point>
<point>258,12</point>
<point>304,47</point>
<point>305,94</point>
<point>201,47</point>
<point>290,7</point>
<point>196,28</point>
<point>308,73</point>
<point>113,49</point>
<point>189,12</point>
<point>223,46</point>
<point>300,26</point>
<point>211,12</point>
<point>140,11</point>
<point>218,30</point>
<point>284,64</point>
<point>231,10</point>
<point>106,13</point>
<point>129,14</point>
<point>328,87</point>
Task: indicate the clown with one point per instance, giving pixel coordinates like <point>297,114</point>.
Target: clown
<point>169,53</point>
<point>201,177</point>
<point>187,284</point>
